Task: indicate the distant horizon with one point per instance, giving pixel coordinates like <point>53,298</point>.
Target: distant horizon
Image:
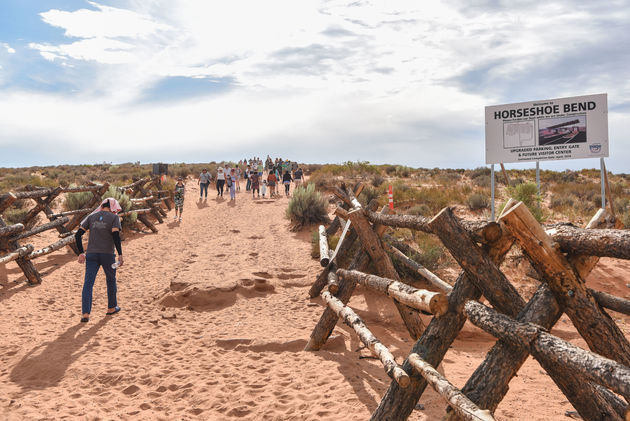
<point>511,166</point>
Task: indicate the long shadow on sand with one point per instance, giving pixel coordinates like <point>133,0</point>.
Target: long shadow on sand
<point>45,365</point>
<point>202,203</point>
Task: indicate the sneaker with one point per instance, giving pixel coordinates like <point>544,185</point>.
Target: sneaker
<point>180,219</point>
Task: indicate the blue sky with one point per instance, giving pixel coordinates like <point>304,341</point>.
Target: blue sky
<point>402,82</point>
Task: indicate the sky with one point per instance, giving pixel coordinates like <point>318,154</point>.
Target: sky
<point>399,82</point>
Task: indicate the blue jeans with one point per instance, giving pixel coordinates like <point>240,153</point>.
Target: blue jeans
<point>92,262</point>
<point>204,187</point>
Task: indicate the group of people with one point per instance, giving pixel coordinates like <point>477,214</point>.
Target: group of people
<point>104,224</point>
<point>259,178</point>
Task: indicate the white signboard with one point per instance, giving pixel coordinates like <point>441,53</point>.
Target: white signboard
<point>552,129</point>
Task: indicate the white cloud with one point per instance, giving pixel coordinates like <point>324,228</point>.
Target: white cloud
<point>396,72</point>
<point>7,47</point>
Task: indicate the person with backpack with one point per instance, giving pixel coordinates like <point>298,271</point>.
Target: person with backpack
<point>104,227</point>
<point>204,181</point>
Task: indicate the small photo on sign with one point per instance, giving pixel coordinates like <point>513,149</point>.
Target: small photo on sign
<point>562,130</point>
<point>518,134</point>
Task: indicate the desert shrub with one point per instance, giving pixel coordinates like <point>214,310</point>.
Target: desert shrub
<point>419,210</point>
<point>403,171</point>
<point>625,219</point>
<point>323,180</point>
<point>622,205</point>
<point>480,171</point>
<point>307,206</point>
<point>449,178</point>
<point>368,194</point>
<point>528,194</point>
<point>377,180</point>
<point>405,193</point>
<point>477,201</point>
<point>14,215</point>
<point>75,201</point>
<point>432,250</point>
<point>482,181</point>
<point>562,201</point>
<point>389,169</point>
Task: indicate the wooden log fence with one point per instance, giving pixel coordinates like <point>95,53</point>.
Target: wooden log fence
<point>64,222</point>
<point>563,255</point>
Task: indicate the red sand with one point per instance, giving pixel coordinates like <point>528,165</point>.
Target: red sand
<point>214,320</point>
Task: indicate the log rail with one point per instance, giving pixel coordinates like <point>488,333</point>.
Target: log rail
<point>66,222</point>
<point>592,380</point>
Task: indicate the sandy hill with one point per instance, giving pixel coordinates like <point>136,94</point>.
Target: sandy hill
<point>214,320</point>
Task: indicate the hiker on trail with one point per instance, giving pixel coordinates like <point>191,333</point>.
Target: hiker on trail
<point>271,182</point>
<point>278,178</point>
<point>220,180</point>
<point>204,181</point>
<point>286,180</point>
<point>232,180</point>
<point>178,197</point>
<point>298,177</point>
<point>255,183</point>
<point>104,226</point>
<point>238,178</point>
<point>248,171</point>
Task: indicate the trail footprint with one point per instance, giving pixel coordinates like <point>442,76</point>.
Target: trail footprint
<point>263,275</point>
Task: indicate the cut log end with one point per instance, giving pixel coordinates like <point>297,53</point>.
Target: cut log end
<point>439,305</point>
<point>401,377</point>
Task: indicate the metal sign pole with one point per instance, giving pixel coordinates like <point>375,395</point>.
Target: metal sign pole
<point>492,189</point>
<point>602,174</point>
<point>538,180</point>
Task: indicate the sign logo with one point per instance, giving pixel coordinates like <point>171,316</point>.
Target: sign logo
<point>595,147</point>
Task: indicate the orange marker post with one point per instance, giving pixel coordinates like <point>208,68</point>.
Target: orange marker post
<point>390,195</point>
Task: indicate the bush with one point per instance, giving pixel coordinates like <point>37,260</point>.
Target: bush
<point>75,201</point>
<point>14,215</point>
<point>368,194</point>
<point>432,250</point>
<point>377,180</point>
<point>307,206</point>
<point>419,210</point>
<point>528,194</point>
<point>477,201</point>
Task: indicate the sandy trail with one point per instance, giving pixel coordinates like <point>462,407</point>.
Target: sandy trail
<point>214,320</point>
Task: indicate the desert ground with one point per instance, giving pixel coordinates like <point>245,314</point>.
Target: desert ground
<point>214,320</point>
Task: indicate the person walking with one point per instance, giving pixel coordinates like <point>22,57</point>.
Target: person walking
<point>220,180</point>
<point>233,179</point>
<point>255,183</point>
<point>286,180</point>
<point>271,182</point>
<point>104,226</point>
<point>248,171</point>
<point>299,173</point>
<point>204,182</point>
<point>178,197</point>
